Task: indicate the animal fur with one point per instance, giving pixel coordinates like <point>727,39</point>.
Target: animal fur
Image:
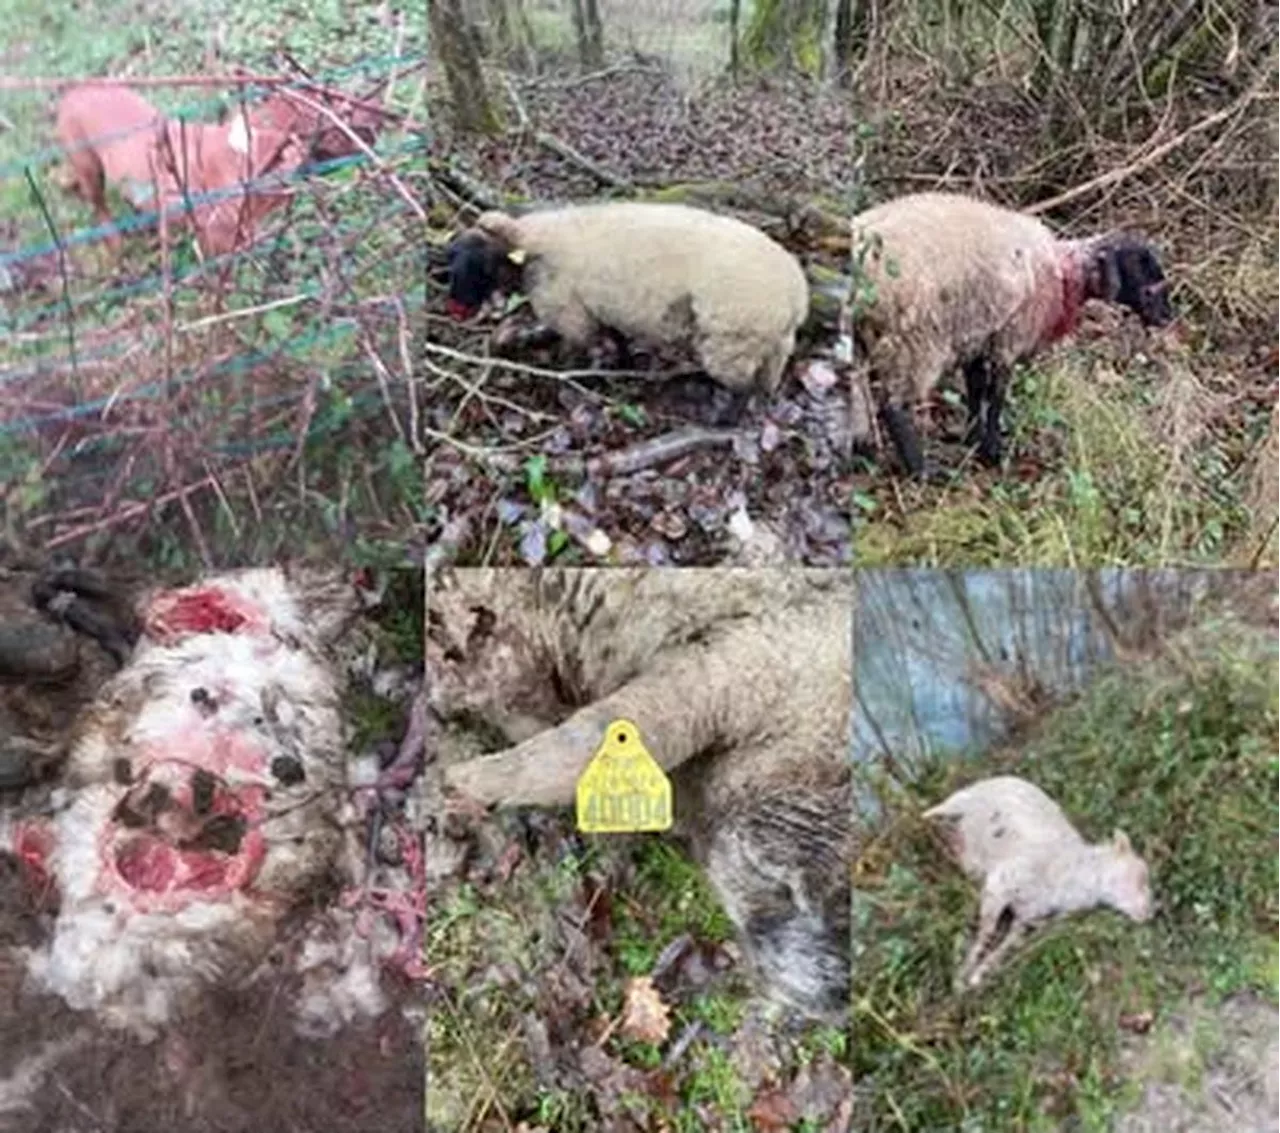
<point>961,283</point>
<point>113,135</point>
<point>323,138</point>
<point>1033,866</point>
<point>199,799</point>
<point>661,274</point>
<point>739,682</point>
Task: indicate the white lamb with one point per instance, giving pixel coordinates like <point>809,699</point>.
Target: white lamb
<point>1033,866</point>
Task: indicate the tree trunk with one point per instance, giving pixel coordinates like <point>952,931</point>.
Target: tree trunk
<point>454,42</point>
<point>852,36</point>
<point>590,34</point>
<point>735,14</point>
<point>788,34</point>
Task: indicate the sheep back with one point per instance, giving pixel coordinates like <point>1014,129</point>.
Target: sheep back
<point>968,278</point>
<point>664,274</point>
<point>998,820</point>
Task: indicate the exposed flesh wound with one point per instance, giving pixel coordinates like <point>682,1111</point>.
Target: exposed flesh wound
<point>175,614</point>
<point>1070,299</point>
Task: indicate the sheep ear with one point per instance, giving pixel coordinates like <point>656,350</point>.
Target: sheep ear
<point>238,135</point>
<point>516,256</point>
<point>1121,842</point>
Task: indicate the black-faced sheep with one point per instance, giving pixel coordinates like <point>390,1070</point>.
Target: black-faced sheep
<point>661,274</point>
<point>950,281</point>
<point>1034,867</point>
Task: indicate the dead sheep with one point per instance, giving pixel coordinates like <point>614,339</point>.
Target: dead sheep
<point>739,682</point>
<point>662,274</point>
<point>199,799</point>
<point>950,282</point>
<point>1034,867</point>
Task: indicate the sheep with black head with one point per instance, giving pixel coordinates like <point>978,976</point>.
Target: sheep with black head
<point>954,282</point>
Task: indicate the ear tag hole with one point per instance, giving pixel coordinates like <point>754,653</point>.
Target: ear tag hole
<point>623,790</point>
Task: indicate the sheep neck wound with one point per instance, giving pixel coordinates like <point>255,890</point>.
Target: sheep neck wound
<point>1071,275</point>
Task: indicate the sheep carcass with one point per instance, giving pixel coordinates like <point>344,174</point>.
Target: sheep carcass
<point>199,798</point>
<point>739,681</point>
<point>1033,866</point>
<point>950,281</point>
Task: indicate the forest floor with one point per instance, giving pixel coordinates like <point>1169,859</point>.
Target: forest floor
<point>579,984</point>
<point>1125,447</point>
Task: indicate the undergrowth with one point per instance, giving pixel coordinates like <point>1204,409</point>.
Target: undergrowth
<point>497,964</point>
<point>1180,755</point>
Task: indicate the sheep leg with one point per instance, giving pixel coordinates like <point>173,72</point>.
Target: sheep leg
<point>72,596</point>
<point>1016,937</point>
<point>733,409</point>
<point>897,422</point>
<point>991,448</point>
<point>977,380</point>
<point>535,338</point>
<point>995,915</point>
<point>626,361</point>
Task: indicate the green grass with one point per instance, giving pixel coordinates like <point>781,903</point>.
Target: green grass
<point>1126,472</point>
<point>1182,757</point>
<point>477,1057</point>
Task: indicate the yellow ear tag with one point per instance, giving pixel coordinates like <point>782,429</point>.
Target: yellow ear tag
<point>516,256</point>
<point>623,790</point>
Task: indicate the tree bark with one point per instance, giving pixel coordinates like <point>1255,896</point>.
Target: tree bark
<point>852,34</point>
<point>454,42</point>
<point>788,34</point>
<point>735,16</point>
<point>590,34</point>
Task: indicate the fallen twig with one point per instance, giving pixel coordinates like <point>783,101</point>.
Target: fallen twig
<point>657,450</point>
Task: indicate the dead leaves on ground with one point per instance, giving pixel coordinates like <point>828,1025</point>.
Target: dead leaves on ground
<point>644,1015</point>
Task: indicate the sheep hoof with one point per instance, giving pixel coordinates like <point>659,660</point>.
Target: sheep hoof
<point>991,453</point>
<point>731,412</point>
<point>932,473</point>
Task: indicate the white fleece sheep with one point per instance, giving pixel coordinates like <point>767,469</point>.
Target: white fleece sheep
<point>950,281</point>
<point>1033,866</point>
<point>663,274</point>
<point>199,798</point>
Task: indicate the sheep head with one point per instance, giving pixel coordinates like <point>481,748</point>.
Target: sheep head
<point>1126,880</point>
<point>480,263</point>
<point>1125,270</point>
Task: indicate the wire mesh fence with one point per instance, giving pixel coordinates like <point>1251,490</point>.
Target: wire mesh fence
<point>215,399</point>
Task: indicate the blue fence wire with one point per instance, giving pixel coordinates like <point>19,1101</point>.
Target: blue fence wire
<point>34,313</point>
<point>347,378</point>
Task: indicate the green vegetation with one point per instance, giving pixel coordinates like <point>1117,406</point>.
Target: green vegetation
<point>1181,755</point>
<point>244,395</point>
